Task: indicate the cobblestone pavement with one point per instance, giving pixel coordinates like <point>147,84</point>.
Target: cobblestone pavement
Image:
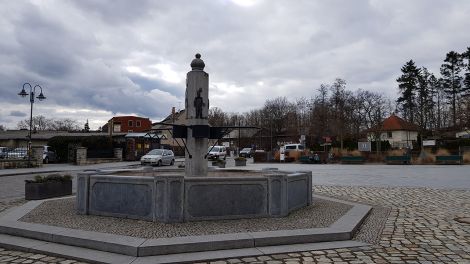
<point>420,228</point>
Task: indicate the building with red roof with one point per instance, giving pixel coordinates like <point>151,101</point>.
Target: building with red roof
<point>127,124</point>
<point>398,132</point>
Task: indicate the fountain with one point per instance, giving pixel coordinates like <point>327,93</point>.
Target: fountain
<point>174,195</point>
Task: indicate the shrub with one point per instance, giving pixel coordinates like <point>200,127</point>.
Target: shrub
<point>442,152</point>
<point>50,178</point>
<point>466,158</point>
<point>240,158</point>
<point>396,152</point>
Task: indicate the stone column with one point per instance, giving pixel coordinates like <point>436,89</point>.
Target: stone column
<point>36,155</point>
<point>81,156</point>
<point>83,189</point>
<point>197,109</point>
<point>118,153</point>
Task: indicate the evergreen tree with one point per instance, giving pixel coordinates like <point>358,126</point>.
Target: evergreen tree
<point>433,102</point>
<point>407,85</point>
<point>87,127</point>
<point>424,97</point>
<point>450,70</point>
<point>466,81</point>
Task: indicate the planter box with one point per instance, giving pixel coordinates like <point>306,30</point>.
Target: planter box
<point>221,164</point>
<point>239,163</point>
<point>44,190</point>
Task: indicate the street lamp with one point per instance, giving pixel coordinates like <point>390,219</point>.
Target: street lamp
<point>41,97</point>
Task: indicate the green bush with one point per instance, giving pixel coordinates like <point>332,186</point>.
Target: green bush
<point>50,178</point>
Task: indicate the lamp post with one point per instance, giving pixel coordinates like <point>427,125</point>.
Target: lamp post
<point>23,93</point>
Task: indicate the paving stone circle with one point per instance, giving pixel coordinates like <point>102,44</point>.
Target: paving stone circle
<point>418,225</point>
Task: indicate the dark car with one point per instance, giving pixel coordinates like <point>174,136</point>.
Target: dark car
<point>246,153</point>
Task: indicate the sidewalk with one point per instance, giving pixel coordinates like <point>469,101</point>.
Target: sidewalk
<point>49,168</point>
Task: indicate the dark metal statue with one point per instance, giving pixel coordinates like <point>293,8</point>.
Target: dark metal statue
<point>199,104</point>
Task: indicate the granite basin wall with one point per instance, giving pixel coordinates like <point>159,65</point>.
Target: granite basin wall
<point>174,198</point>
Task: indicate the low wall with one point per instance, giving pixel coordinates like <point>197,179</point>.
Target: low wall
<point>173,198</point>
<point>13,164</point>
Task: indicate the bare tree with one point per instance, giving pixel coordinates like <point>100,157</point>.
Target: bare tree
<point>42,123</point>
<point>217,117</point>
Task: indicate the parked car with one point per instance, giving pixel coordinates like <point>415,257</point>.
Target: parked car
<point>3,152</point>
<point>246,153</point>
<point>217,152</point>
<point>48,155</point>
<point>158,157</point>
<point>294,147</point>
<point>18,153</point>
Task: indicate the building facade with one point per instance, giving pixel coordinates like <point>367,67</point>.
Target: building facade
<point>398,132</point>
<point>128,124</point>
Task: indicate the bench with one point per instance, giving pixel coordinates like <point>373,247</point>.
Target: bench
<point>449,159</point>
<point>403,159</point>
<point>306,159</point>
<point>352,160</point>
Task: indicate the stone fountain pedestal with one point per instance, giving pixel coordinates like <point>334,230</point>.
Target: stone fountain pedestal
<point>169,197</point>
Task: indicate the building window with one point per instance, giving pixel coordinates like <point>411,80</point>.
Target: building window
<point>130,123</point>
<point>137,123</point>
<point>117,127</point>
<point>389,134</point>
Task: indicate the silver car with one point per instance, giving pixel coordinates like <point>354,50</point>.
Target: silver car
<point>158,157</point>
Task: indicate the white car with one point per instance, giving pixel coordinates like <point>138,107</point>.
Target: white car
<point>217,152</point>
<point>158,157</point>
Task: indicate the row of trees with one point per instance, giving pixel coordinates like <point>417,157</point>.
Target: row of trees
<point>428,100</point>
<point>434,102</point>
<point>334,111</point>
<point>43,123</point>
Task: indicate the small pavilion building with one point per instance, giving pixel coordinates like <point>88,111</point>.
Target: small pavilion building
<point>398,132</point>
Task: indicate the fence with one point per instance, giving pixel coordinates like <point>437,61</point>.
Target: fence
<point>20,158</point>
<point>14,154</point>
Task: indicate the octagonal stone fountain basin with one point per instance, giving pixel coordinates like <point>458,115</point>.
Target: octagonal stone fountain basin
<point>166,195</point>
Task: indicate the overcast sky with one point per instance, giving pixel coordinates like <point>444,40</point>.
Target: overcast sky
<point>95,58</point>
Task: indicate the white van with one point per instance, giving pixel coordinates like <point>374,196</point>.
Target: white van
<point>217,152</point>
<point>293,147</point>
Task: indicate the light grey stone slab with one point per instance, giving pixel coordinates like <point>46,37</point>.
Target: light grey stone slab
<point>298,236</point>
<point>21,211</point>
<point>6,212</point>
<point>82,254</point>
<point>199,256</point>
<point>310,246</point>
<point>100,241</point>
<point>353,218</point>
<point>195,243</point>
<point>36,231</point>
<point>18,243</point>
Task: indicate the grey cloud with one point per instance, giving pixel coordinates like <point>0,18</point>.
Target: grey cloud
<point>17,114</point>
<point>78,51</point>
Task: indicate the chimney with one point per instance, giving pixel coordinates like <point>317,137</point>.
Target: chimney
<point>173,112</point>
